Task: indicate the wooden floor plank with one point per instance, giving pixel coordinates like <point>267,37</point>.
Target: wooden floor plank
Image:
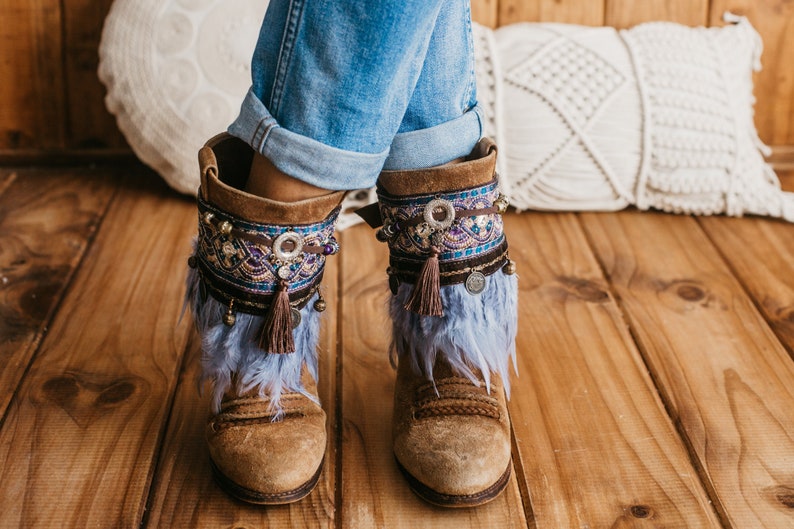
<point>724,375</point>
<point>46,221</point>
<point>374,495</point>
<point>184,494</point>
<point>79,439</point>
<point>595,443</point>
<point>761,254</point>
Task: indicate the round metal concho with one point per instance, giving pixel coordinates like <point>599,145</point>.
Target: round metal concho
<point>475,283</point>
<point>284,254</point>
<point>439,204</point>
<point>296,317</point>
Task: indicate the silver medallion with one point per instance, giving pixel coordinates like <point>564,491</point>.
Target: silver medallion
<point>475,283</point>
<point>288,246</point>
<point>296,317</point>
<point>439,205</point>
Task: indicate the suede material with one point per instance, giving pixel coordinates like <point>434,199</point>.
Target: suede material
<point>478,169</point>
<point>225,162</point>
<point>264,456</point>
<point>456,454</point>
<point>452,435</point>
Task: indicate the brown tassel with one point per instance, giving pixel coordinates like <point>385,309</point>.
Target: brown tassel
<point>426,296</point>
<point>276,336</point>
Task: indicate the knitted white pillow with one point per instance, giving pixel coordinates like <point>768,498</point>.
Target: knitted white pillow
<point>176,72</point>
<point>586,118</point>
<point>658,116</point>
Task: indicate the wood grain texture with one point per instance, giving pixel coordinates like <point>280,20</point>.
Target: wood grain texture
<point>374,494</point>
<point>596,446</point>
<point>760,252</point>
<point>79,439</point>
<point>46,223</point>
<point>774,86</point>
<point>626,13</point>
<point>184,493</point>
<point>89,124</point>
<point>587,12</point>
<point>724,376</point>
<point>32,88</point>
<point>485,12</point>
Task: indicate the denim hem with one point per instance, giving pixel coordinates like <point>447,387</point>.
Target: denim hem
<point>418,149</point>
<point>302,157</point>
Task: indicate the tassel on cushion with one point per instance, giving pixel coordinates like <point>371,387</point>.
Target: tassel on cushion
<point>426,296</point>
<point>276,336</point>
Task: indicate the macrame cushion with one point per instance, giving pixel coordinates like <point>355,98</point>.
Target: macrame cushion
<point>658,116</point>
<point>176,72</point>
<point>586,118</point>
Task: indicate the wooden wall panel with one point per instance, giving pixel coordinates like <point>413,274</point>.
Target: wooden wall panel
<point>89,124</point>
<point>31,75</point>
<point>625,13</point>
<point>589,12</point>
<point>774,88</point>
<point>485,12</point>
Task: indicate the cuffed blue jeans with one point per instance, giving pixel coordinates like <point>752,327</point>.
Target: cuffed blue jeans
<point>342,89</point>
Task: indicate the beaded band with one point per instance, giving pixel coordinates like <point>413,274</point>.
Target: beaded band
<point>462,228</point>
<point>243,264</point>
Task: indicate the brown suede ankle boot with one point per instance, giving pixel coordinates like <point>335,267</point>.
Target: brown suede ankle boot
<point>454,324</point>
<point>253,289</point>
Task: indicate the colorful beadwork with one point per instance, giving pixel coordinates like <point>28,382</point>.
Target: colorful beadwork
<point>255,257</point>
<point>464,238</point>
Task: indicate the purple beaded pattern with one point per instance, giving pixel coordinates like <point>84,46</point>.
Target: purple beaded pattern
<point>467,237</point>
<point>252,266</point>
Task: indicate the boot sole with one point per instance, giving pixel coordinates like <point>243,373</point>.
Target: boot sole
<point>262,498</point>
<point>456,501</point>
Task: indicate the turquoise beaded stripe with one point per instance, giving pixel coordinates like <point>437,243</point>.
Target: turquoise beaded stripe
<point>467,237</point>
<point>249,265</point>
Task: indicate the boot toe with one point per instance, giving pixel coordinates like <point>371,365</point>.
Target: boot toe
<point>262,461</point>
<point>455,456</point>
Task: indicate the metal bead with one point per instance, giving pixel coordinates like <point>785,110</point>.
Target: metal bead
<point>320,305</point>
<point>501,204</point>
<point>208,216</point>
<point>229,318</point>
<point>510,267</point>
<point>192,262</point>
<point>381,236</point>
<point>225,227</point>
<point>296,317</point>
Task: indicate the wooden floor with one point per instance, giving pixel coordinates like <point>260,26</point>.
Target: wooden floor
<point>656,384</point>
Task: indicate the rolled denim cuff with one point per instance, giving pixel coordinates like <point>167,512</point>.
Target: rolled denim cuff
<point>302,157</point>
<point>419,149</point>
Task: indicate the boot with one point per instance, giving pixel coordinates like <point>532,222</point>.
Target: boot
<point>253,288</point>
<point>454,324</point>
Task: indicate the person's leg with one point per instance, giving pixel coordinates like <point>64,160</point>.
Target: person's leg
<point>454,297</point>
<point>331,91</point>
<point>331,84</point>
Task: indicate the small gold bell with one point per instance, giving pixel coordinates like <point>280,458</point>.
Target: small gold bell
<point>208,216</point>
<point>501,204</point>
<point>320,305</point>
<point>225,227</point>
<point>509,267</point>
<point>229,318</point>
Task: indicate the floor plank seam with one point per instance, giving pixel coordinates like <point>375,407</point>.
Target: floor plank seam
<point>746,289</point>
<point>663,396</point>
<point>35,346</point>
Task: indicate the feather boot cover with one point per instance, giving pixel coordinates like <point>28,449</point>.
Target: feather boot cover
<point>475,335</point>
<point>231,357</point>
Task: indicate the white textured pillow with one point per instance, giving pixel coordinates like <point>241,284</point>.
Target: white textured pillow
<point>586,118</point>
<point>176,72</point>
<point>658,116</point>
